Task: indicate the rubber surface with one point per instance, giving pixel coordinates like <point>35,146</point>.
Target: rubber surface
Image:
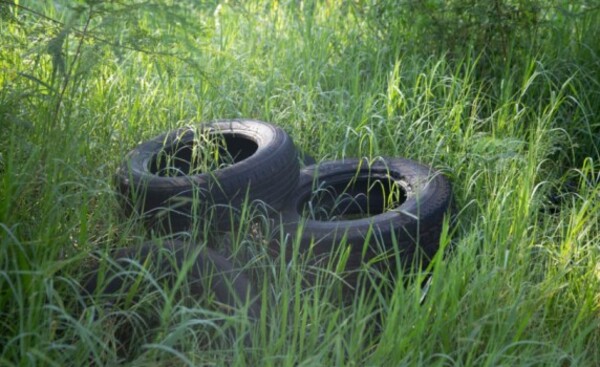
<point>265,168</point>
<point>208,273</point>
<point>208,276</point>
<point>356,191</point>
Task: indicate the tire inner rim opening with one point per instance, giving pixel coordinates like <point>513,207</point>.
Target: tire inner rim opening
<point>353,198</point>
<point>194,154</point>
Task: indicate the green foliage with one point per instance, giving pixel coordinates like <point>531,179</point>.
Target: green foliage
<point>502,31</point>
<point>502,96</point>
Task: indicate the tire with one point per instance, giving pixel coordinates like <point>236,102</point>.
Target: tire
<point>159,180</point>
<point>355,192</point>
<point>306,159</point>
<point>206,269</point>
<point>207,274</point>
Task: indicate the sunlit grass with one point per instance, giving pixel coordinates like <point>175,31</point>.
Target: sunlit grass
<point>518,284</point>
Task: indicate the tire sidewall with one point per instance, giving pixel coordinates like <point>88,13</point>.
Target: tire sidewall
<point>421,214</point>
<point>136,169</point>
<point>267,175</point>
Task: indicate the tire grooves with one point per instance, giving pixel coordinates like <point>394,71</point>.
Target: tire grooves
<point>230,287</point>
<point>411,235</point>
<point>279,177</point>
<point>261,178</point>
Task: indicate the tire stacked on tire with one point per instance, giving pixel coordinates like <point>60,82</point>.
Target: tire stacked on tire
<point>389,207</point>
<point>156,182</point>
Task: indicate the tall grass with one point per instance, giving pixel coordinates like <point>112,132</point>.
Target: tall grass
<point>83,82</point>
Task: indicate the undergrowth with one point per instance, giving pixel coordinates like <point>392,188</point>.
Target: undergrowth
<point>500,96</point>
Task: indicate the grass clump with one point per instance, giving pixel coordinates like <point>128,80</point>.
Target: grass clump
<point>501,96</point>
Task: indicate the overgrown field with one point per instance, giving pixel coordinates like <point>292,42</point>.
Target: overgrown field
<point>501,96</point>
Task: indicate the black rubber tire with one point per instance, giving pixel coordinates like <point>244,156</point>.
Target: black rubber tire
<point>306,159</point>
<point>413,225</point>
<point>231,288</point>
<point>208,273</point>
<point>265,168</point>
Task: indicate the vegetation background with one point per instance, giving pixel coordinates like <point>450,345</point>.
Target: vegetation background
<point>503,96</point>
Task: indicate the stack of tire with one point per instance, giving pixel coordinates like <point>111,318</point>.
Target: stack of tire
<point>386,212</point>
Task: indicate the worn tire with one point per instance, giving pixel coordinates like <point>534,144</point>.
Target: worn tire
<point>208,273</point>
<point>355,190</point>
<point>264,168</point>
<point>306,159</point>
